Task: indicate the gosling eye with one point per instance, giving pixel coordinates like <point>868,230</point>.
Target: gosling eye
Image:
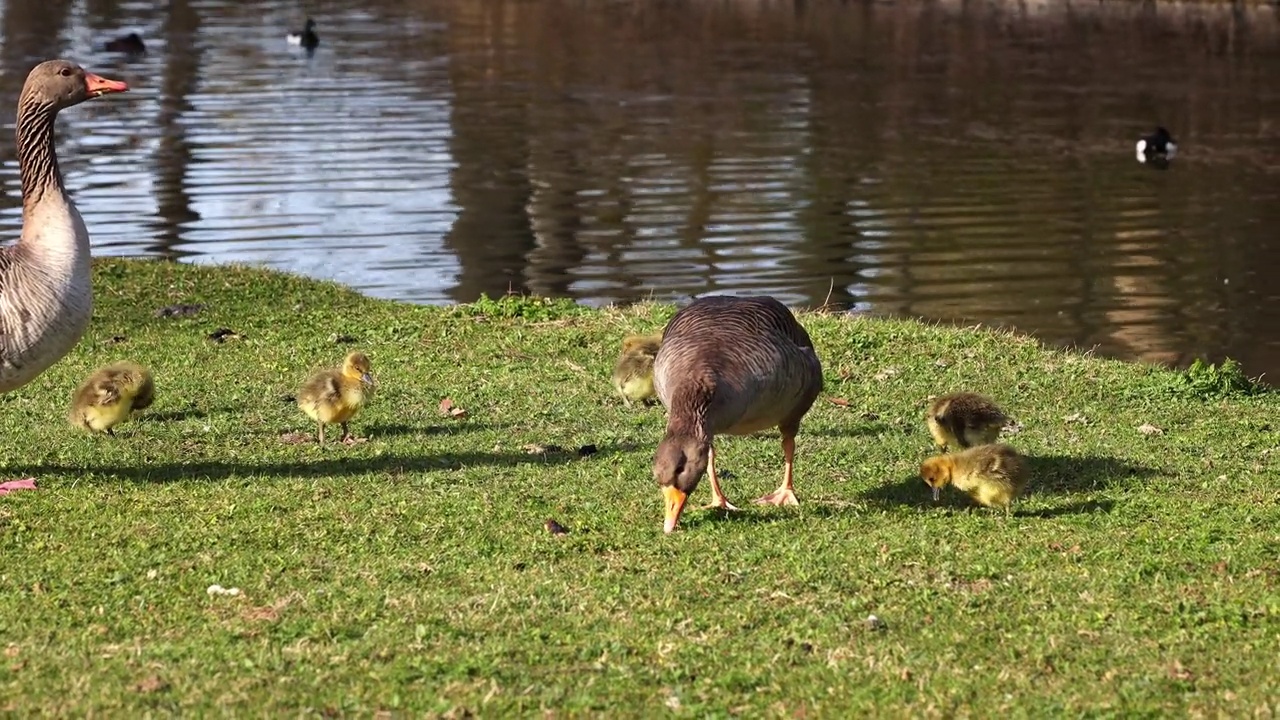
<point>66,72</point>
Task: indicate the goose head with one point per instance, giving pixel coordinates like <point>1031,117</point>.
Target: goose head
<point>62,84</point>
<point>678,466</point>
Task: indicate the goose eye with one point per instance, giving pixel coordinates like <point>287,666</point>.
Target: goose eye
<point>66,72</point>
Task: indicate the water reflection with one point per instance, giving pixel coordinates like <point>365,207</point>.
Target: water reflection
<point>943,159</point>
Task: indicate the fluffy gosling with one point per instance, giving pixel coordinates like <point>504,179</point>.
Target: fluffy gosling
<point>963,420</point>
<point>110,395</point>
<point>633,373</point>
<point>993,475</point>
<point>337,394</point>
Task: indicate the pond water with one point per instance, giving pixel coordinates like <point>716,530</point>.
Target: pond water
<point>961,161</point>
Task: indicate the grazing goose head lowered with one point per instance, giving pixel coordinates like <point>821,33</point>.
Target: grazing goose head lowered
<point>734,365</point>
<point>45,291</point>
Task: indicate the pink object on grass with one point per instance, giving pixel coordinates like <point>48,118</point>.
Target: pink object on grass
<point>9,486</point>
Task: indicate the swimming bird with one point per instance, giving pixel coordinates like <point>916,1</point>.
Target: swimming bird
<point>993,475</point>
<point>964,419</point>
<point>46,295</point>
<point>734,365</point>
<point>336,395</point>
<point>110,395</point>
<point>130,44</point>
<point>307,38</point>
<point>1156,146</point>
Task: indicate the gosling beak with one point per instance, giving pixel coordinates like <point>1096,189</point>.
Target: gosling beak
<point>674,500</point>
<point>97,86</point>
<point>937,492</point>
<point>367,379</point>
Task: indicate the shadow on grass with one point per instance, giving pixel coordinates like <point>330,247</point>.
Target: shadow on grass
<point>855,429</point>
<point>444,427</point>
<point>747,512</point>
<point>1065,474</point>
<point>1049,474</point>
<point>213,470</point>
<point>174,415</point>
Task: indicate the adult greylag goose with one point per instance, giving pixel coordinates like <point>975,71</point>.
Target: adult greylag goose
<point>733,365</point>
<point>45,290</point>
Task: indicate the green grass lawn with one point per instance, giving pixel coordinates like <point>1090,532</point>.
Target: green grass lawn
<point>412,573</point>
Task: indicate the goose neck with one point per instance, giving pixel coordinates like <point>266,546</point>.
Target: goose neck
<point>37,159</point>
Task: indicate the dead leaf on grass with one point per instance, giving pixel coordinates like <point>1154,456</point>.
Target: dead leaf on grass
<point>295,438</point>
<point>537,449</point>
<point>887,373</point>
<point>150,684</point>
<point>1178,672</point>
<point>449,409</point>
<point>1149,429</point>
<point>838,401</point>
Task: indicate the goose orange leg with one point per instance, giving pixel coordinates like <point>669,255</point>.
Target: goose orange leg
<point>785,494</point>
<point>718,500</point>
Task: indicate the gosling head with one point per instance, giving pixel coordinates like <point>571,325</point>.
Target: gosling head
<point>357,367</point>
<point>678,466</point>
<point>641,345</point>
<point>936,472</point>
<point>61,84</point>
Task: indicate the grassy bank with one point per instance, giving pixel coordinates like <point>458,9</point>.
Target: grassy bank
<point>412,573</point>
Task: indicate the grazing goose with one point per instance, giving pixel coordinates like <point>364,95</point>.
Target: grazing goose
<point>1156,146</point>
<point>307,38</point>
<point>45,290</point>
<point>729,365</point>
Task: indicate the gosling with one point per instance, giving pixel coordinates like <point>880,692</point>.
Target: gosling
<point>963,420</point>
<point>110,395</point>
<point>633,374</point>
<point>993,475</point>
<point>337,394</point>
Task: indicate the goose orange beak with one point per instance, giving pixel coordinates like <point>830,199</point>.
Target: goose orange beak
<point>674,500</point>
<point>98,86</point>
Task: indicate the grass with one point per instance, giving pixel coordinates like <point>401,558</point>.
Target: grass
<point>412,573</point>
